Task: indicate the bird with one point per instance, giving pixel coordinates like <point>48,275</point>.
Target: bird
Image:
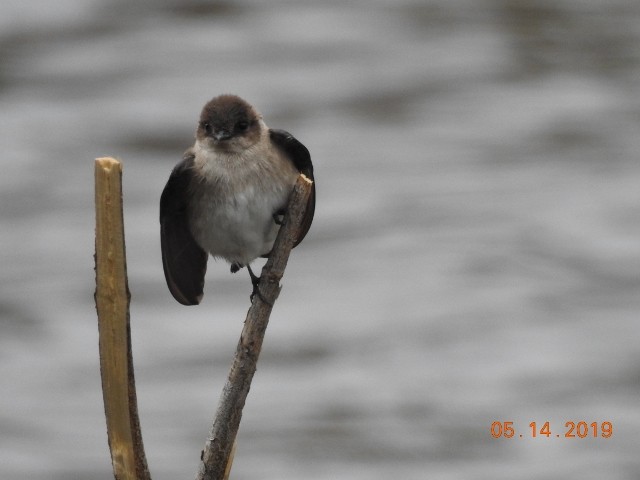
<point>227,197</point>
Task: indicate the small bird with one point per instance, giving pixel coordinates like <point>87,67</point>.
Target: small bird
<point>228,195</point>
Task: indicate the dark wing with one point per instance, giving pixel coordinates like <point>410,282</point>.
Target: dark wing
<point>301,158</point>
<point>184,262</point>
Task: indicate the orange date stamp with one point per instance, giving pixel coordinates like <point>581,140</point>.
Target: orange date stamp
<point>571,429</point>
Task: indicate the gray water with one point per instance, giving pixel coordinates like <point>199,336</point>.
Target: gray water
<point>475,255</point>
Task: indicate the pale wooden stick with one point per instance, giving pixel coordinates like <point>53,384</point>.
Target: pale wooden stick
<point>112,303</point>
<point>216,457</point>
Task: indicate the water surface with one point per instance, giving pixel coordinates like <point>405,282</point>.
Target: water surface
<point>474,256</point>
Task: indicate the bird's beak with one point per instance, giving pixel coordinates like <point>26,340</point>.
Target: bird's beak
<point>221,135</point>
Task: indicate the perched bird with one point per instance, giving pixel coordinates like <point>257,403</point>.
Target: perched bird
<point>227,196</point>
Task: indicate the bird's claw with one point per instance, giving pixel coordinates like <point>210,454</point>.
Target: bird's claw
<point>255,281</point>
<point>278,216</point>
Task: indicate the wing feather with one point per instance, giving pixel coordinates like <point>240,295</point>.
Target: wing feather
<point>301,158</point>
<point>184,262</point>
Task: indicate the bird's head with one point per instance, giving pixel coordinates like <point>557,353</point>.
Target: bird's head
<point>229,124</point>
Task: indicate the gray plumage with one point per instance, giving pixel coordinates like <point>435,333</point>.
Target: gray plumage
<point>223,197</point>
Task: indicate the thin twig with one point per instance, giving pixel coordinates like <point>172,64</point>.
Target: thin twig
<point>216,456</point>
<point>112,299</point>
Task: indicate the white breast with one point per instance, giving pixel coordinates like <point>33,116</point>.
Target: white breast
<point>231,214</point>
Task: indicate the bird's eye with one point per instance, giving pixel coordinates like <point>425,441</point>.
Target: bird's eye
<point>242,126</point>
<point>207,128</point>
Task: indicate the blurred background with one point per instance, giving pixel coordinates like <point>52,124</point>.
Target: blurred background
<point>474,257</point>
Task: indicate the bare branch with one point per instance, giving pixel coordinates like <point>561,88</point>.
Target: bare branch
<point>215,459</point>
<point>112,299</point>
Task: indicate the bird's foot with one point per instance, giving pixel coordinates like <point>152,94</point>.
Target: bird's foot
<point>278,216</point>
<point>255,281</point>
<point>235,267</point>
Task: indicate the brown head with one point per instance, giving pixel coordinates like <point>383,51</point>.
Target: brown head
<point>229,124</point>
